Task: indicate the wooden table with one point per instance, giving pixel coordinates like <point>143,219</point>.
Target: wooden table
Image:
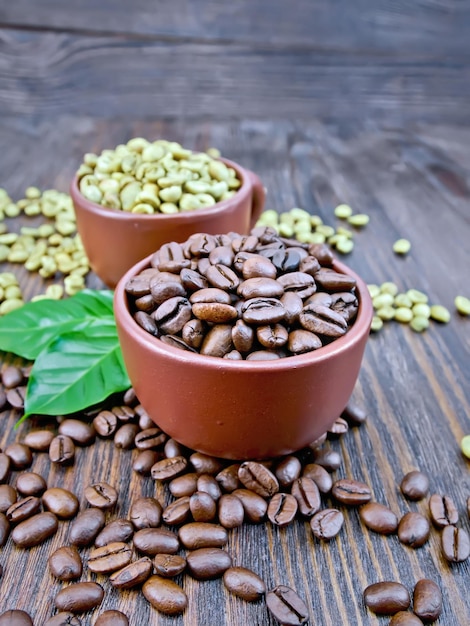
<point>327,104</point>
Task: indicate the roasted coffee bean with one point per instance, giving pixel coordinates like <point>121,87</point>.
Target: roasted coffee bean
<point>105,423</point>
<point>222,277</point>
<point>244,583</point>
<point>109,558</point>
<point>149,438</point>
<point>125,436</point>
<point>62,450</point>
<point>35,530</point>
<point>205,464</point>
<point>133,574</point>
<point>152,541</point>
<point>228,478</point>
<point>202,535</point>
<point>255,506</point>
<point>172,448</point>
<point>4,529</point>
<point>20,455</point>
<point>138,285</point>
<point>260,287</point>
<point>427,600</point>
<point>286,606</point>
<point>64,618</point>
<point>379,518</point>
<point>3,399</point>
<point>254,266</point>
<point>262,311</point>
<point>101,495</point>
<point>192,280</point>
<point>386,598</point>
<point>184,485</point>
<point>346,304</point>
<point>316,447</point>
<point>272,336</point>
<point>145,513</point>
<point>405,618</point>
<point>162,290</point>
<point>307,494</point>
<point>172,315</point>
<point>80,432</point>
<point>146,321</point>
<point>299,282</point>
<point>171,258</point>
<point>86,526</point>
<point>442,510</point>
<point>193,333</point>
<point>319,475</point>
<point>15,617</point>
<point>177,512</point>
<point>321,320</point>
<point>282,509</point>
<point>301,341</point>
<point>130,397</point>
<point>230,511</point>
<point>65,563</point>
<point>165,595</point>
<point>79,597</point>
<point>22,509</point>
<point>415,485</point>
<point>218,341</point>
<point>144,420</point>
<point>351,492</point>
<point>16,397</point>
<point>119,530</point>
<point>4,467</point>
<point>258,478</point>
<point>338,428</point>
<point>30,484</point>
<point>123,412</point>
<point>207,563</point>
<point>39,440</point>
<point>169,565</point>
<point>202,506</point>
<point>327,458</point>
<point>144,461</point>
<point>8,496</point>
<point>354,415</point>
<point>12,376</point>
<point>208,484</point>
<point>166,469</point>
<point>112,618</point>
<point>455,543</point>
<point>331,280</point>
<point>326,524</point>
<point>413,529</point>
<point>61,502</point>
<point>288,470</point>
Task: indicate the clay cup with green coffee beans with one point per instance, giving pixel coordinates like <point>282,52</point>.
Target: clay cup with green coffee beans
<point>131,200</point>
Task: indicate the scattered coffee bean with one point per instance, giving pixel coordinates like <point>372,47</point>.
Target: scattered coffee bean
<point>22,509</point>
<point>286,606</point>
<point>379,518</point>
<point>427,600</point>
<point>63,619</point>
<point>258,478</point>
<point>326,524</point>
<point>228,478</point>
<point>320,477</point>
<point>244,583</point>
<point>184,485</point>
<point>86,526</point>
<point>405,618</point>
<point>202,506</point>
<point>169,565</point>
<point>327,458</point>
<point>386,598</point>
<point>105,423</point>
<point>207,563</point>
<point>65,563</point>
<point>415,485</point>
<point>30,484</point>
<point>145,513</point>
<point>112,618</point>
<point>152,541</point>
<point>442,510</point>
<point>144,461</point>
<point>288,470</point>
<point>4,467</point>
<point>125,436</point>
<point>202,535</point>
<point>205,464</point>
<point>178,512</point>
<point>413,529</point>
<point>20,455</point>
<point>165,595</point>
<point>351,492</point>
<point>35,530</point>
<point>109,558</point>
<point>39,440</point>
<point>16,397</point>
<point>101,495</point>
<point>15,617</point>
<point>166,469</point>
<point>307,494</point>
<point>230,511</point>
<point>4,529</point>
<point>338,428</point>
<point>133,574</point>
<point>208,484</point>
<point>455,543</point>
<point>149,438</point>
<point>62,450</point>
<point>354,415</point>
<point>61,502</point>
<point>80,432</point>
<point>118,530</point>
<point>12,376</point>
<point>282,509</point>
<point>8,497</point>
<point>79,597</point>
<point>255,506</point>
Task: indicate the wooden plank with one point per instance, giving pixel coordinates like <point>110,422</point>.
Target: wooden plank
<point>415,387</point>
<point>427,28</point>
<point>46,74</point>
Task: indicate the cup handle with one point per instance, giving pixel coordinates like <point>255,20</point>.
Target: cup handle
<point>259,197</point>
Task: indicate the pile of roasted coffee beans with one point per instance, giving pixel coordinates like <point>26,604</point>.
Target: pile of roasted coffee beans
<point>254,297</point>
<point>205,498</point>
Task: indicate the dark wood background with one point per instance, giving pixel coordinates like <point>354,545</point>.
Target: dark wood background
<point>329,101</point>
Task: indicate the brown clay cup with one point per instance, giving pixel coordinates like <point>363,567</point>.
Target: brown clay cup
<point>242,409</point>
<point>115,240</point>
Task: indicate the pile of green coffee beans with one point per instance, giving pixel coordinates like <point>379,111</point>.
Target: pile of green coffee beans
<point>156,177</point>
<point>53,249</point>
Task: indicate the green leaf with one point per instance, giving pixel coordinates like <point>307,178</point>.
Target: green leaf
<point>28,330</point>
<point>76,370</point>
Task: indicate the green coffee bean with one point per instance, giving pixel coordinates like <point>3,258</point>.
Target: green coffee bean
<point>286,230</point>
<point>359,220</point>
<point>383,299</point>
<point>315,220</point>
<point>55,291</point>
<point>403,300</point>
<point>7,279</point>
<point>418,323</point>
<point>32,193</point>
<point>439,313</point>
<point>17,256</point>
<point>300,214</point>
<point>462,304</point>
<point>377,324</point>
<point>143,208</point>
<point>385,313</point>
<point>326,230</point>
<point>8,238</point>
<point>11,292</point>
<point>401,246</point>
<point>305,237</point>
<point>345,246</point>
<point>12,210</point>
<point>374,290</point>
<point>303,226</point>
<point>417,296</point>
<point>465,446</point>
<point>389,287</point>
<point>403,315</point>
<point>4,252</point>
<point>421,310</point>
<point>344,232</point>
<point>343,211</point>
<point>7,306</point>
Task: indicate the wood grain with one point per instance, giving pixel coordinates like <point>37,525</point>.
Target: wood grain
<point>412,183</point>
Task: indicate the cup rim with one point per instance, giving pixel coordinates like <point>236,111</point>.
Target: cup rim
<point>188,216</point>
<point>355,334</point>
